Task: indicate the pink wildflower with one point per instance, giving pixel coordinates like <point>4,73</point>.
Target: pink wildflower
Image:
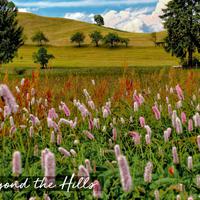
<point>125,175</point>
<point>16,163</point>
<point>142,121</point>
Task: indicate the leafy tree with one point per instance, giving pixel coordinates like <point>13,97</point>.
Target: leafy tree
<point>112,39</point>
<point>99,20</point>
<point>181,19</point>
<point>154,37</point>
<point>125,41</point>
<point>96,37</point>
<point>42,57</point>
<point>11,34</point>
<point>40,38</point>
<point>78,38</point>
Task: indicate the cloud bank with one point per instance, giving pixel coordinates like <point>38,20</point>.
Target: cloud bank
<point>140,20</point>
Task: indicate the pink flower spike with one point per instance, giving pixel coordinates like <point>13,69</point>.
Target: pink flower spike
<point>114,132</point>
<point>125,175</point>
<point>65,109</point>
<point>88,165</point>
<point>183,117</point>
<point>136,137</point>
<point>148,172</point>
<point>16,163</point>
<point>190,125</point>
<point>96,189</point>
<point>179,92</point>
<point>8,98</point>
<point>142,122</point>
<point>89,135</point>
<point>83,172</point>
<point>156,112</point>
<point>198,141</point>
<point>52,114</point>
<point>117,151</point>
<point>175,156</point>
<point>147,139</point>
<point>64,152</point>
<point>50,169</point>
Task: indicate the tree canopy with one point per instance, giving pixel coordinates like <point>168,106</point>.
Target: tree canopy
<point>40,38</point>
<point>96,37</point>
<point>99,20</point>
<point>112,39</point>
<point>42,57</point>
<point>11,34</point>
<point>78,38</point>
<point>182,21</point>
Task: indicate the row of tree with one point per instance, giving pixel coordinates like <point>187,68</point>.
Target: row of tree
<point>111,39</point>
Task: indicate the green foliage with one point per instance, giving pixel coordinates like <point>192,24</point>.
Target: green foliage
<point>42,57</point>
<point>78,38</point>
<point>181,19</point>
<point>11,34</point>
<point>112,39</point>
<point>96,37</point>
<point>40,38</point>
<point>125,41</point>
<point>99,20</point>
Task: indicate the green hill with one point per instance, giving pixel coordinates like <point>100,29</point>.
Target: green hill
<point>59,30</point>
<point>140,53</point>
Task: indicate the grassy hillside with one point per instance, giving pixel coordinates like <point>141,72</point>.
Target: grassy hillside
<point>98,57</point>
<point>59,30</point>
<point>140,53</point>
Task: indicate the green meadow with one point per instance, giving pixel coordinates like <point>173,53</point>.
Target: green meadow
<point>140,53</point>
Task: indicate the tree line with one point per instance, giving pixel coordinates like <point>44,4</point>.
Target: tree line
<point>110,39</point>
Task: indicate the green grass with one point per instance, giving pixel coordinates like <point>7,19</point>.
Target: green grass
<point>97,57</point>
<point>59,30</point>
<point>140,53</point>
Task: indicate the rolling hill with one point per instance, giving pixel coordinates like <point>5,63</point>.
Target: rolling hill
<point>140,53</point>
<point>59,30</point>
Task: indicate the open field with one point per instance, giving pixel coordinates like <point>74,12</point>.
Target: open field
<point>140,53</point>
<point>98,57</point>
<point>59,30</point>
<point>152,115</point>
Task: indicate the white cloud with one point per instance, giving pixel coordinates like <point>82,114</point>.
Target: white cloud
<point>129,19</point>
<point>23,10</point>
<point>136,20</point>
<point>125,20</point>
<point>80,16</point>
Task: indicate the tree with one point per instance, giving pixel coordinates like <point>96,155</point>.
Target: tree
<point>154,37</point>
<point>181,19</point>
<point>78,38</point>
<point>99,20</point>
<point>125,41</point>
<point>40,38</point>
<point>11,34</point>
<point>42,57</point>
<point>112,39</point>
<point>96,37</point>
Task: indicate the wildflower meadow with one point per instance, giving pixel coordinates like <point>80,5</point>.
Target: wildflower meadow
<point>132,136</point>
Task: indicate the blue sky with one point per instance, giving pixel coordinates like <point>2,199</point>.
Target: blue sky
<point>123,14</point>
